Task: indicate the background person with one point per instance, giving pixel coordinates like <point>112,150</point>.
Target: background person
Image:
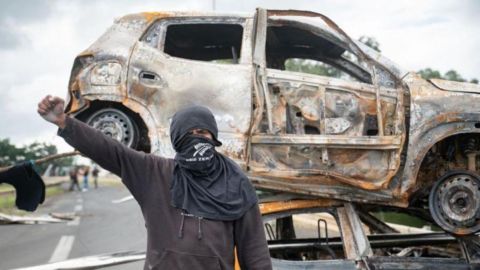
<point>85,172</point>
<point>95,172</point>
<point>73,173</point>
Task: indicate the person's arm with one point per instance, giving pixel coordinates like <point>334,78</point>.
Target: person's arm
<point>250,241</point>
<point>108,153</point>
<point>105,151</point>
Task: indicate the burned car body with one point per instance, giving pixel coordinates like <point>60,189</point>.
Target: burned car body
<point>329,234</point>
<point>375,134</point>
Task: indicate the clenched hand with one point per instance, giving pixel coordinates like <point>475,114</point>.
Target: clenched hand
<point>51,109</point>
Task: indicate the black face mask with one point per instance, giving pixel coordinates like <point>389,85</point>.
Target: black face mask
<point>197,155</point>
<point>206,183</point>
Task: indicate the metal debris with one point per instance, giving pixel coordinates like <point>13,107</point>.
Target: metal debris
<point>12,219</point>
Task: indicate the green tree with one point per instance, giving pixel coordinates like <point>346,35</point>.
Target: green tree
<point>311,67</point>
<point>370,42</point>
<point>11,154</point>
<point>452,75</point>
<point>322,69</point>
<point>428,73</point>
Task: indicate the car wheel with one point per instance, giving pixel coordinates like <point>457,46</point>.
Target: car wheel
<point>115,124</point>
<point>454,202</point>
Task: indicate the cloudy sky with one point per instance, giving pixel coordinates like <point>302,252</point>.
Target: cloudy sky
<point>39,40</point>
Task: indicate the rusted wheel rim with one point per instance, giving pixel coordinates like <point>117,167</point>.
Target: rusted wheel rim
<point>115,124</point>
<point>455,202</point>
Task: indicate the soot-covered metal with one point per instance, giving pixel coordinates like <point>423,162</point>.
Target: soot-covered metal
<point>375,134</point>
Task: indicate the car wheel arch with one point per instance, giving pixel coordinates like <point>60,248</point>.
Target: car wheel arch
<point>421,144</point>
<point>134,109</point>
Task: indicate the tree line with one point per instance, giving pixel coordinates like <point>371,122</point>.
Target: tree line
<point>318,68</point>
<point>11,154</point>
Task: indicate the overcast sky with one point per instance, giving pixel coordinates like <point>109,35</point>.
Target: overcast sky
<point>40,39</point>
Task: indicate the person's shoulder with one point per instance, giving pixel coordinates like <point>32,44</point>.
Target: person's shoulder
<point>160,160</point>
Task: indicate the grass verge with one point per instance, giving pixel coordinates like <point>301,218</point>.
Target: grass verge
<point>7,201</point>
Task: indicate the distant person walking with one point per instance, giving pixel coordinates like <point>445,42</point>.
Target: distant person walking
<point>95,172</point>
<point>86,171</point>
<point>73,173</point>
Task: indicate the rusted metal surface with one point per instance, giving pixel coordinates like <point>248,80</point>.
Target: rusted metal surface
<point>456,86</point>
<point>360,246</point>
<point>356,244</point>
<point>436,114</point>
<point>207,83</point>
<point>381,137</point>
<point>281,206</point>
<point>349,244</point>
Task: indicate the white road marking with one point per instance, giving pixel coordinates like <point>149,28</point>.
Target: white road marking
<point>63,249</point>
<point>78,208</point>
<point>74,222</point>
<point>80,200</point>
<point>124,199</point>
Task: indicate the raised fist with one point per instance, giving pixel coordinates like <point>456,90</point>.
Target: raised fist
<point>51,109</point>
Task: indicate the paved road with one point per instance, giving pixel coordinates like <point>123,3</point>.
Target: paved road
<point>102,227</point>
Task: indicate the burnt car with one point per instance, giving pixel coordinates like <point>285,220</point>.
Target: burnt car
<point>373,134</point>
<point>330,234</point>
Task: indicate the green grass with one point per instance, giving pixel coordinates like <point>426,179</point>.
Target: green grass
<point>7,201</point>
<point>401,218</point>
<point>111,181</point>
<point>5,187</point>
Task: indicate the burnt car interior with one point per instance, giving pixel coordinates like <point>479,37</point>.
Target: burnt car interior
<point>205,42</point>
<point>316,234</point>
<point>289,41</point>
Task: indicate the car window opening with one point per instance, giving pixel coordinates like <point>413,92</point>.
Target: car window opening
<point>290,47</point>
<point>220,43</point>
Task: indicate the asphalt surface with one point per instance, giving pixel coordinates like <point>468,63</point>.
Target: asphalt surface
<point>102,227</point>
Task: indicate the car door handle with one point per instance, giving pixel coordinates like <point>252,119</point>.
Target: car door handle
<point>149,76</point>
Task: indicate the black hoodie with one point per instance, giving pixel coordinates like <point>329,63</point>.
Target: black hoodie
<point>148,177</point>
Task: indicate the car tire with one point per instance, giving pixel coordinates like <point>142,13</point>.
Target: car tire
<point>116,124</point>
<point>454,202</point>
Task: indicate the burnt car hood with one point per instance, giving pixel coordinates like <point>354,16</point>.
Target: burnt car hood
<point>456,86</point>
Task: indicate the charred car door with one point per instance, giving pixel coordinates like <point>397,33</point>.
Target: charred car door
<point>182,61</point>
<point>321,133</point>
